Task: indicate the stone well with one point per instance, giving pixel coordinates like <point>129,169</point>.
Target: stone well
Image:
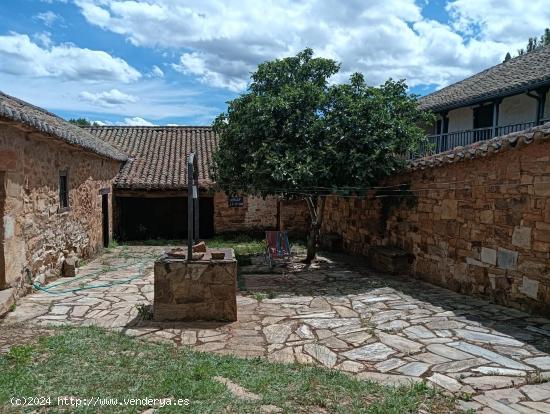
<point>197,290</point>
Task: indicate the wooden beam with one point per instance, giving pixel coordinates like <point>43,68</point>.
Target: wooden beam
<point>541,104</point>
<point>158,193</point>
<point>442,144</point>
<point>496,110</point>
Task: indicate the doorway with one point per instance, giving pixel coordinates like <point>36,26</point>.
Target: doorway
<point>141,218</point>
<point>105,214</point>
<point>483,120</point>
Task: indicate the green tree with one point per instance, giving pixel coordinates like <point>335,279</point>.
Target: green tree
<point>534,43</point>
<point>507,57</point>
<point>80,122</point>
<point>294,135</point>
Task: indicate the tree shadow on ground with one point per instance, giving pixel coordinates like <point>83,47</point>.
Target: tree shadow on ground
<point>342,275</point>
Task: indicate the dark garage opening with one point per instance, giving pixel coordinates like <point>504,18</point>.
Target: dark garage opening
<point>150,218</point>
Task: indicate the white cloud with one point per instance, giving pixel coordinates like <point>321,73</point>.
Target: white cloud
<point>129,121</point>
<point>212,71</point>
<point>48,18</point>
<point>156,71</point>
<point>136,121</point>
<point>223,41</point>
<point>108,99</point>
<point>19,55</point>
<point>156,100</point>
<point>133,121</point>
<point>219,43</point>
<point>44,39</point>
<point>506,21</point>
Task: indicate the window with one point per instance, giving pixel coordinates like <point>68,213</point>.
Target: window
<point>63,191</point>
<point>483,116</point>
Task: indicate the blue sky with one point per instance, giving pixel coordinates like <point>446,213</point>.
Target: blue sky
<point>177,62</point>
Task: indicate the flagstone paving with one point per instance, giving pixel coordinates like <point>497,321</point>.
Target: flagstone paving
<point>336,313</point>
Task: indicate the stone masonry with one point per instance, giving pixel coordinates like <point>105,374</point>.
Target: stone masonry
<point>36,234</point>
<point>335,313</point>
<point>201,290</point>
<point>258,214</point>
<point>294,217</point>
<point>477,226</point>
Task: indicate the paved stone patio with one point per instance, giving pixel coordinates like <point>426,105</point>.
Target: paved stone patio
<point>337,314</point>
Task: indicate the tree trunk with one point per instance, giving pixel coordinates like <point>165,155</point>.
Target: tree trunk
<point>316,211</point>
<point>311,244</point>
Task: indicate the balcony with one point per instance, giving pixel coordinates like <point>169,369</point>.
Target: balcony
<point>447,141</point>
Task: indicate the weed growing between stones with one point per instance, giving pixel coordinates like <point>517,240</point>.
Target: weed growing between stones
<point>145,311</point>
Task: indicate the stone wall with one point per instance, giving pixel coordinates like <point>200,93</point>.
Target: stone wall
<point>294,218</point>
<point>478,226</point>
<point>259,214</point>
<point>36,233</point>
<point>202,290</point>
<point>255,214</point>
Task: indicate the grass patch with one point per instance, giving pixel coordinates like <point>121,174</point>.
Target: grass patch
<point>243,244</point>
<point>90,362</point>
<point>536,377</point>
<point>113,244</point>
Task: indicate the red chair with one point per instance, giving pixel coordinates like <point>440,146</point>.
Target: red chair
<point>278,247</point>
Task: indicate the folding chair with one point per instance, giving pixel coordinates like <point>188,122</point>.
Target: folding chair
<point>278,247</point>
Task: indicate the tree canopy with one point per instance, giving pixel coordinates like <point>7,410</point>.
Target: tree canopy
<point>533,43</point>
<point>295,134</point>
<point>81,122</point>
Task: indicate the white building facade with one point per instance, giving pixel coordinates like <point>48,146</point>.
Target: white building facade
<point>509,97</point>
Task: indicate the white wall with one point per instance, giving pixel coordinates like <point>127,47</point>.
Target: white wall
<point>461,119</point>
<point>513,110</point>
<point>517,109</point>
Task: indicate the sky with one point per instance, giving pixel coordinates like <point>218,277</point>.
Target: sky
<point>177,62</point>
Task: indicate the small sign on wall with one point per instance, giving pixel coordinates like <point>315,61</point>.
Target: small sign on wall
<point>236,201</point>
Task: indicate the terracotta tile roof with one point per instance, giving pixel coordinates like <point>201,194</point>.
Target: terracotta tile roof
<point>484,148</point>
<point>158,154</point>
<point>517,75</point>
<point>16,110</point>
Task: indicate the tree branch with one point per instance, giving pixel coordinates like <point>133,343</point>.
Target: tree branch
<point>311,207</point>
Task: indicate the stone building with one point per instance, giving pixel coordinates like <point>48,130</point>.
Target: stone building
<point>55,193</point>
<point>476,219</point>
<point>150,192</point>
<point>509,97</point>
<point>69,190</point>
